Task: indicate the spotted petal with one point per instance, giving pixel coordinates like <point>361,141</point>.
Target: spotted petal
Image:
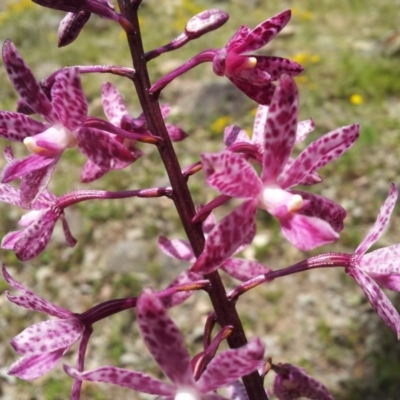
<point>377,298</point>
<point>25,83</point>
<point>123,377</point>
<point>231,174</point>
<point>226,237</point>
<point>69,101</point>
<point>231,365</point>
<point>280,129</point>
<point>263,33</point>
<point>31,301</point>
<point>16,127</point>
<point>163,339</point>
<point>113,104</point>
<point>102,149</point>
<point>381,222</point>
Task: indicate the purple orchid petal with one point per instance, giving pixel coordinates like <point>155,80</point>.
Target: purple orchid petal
<point>69,101</point>
<point>34,183</point>
<point>292,382</point>
<point>36,365</point>
<point>9,240</point>
<point>25,83</point>
<point>323,208</point>
<point>37,236</point>
<point>91,172</point>
<point>226,237</point>
<point>263,33</point>
<point>179,297</point>
<point>231,174</point>
<point>230,365</point>
<point>48,336</point>
<point>303,129</point>
<point>31,301</point>
<point>319,153</point>
<point>383,265</point>
<point>175,133</point>
<point>391,281</point>
<point>381,222</point>
<point>280,129</point>
<point>244,270</point>
<point>234,134</point>
<point>176,248</point>
<point>379,301</point>
<point>113,104</point>
<point>209,223</point>
<point>16,127</point>
<point>260,93</point>
<point>165,110</point>
<point>18,168</point>
<point>163,339</point>
<point>71,26</point>
<point>278,66</point>
<point>259,125</point>
<point>123,377</point>
<point>238,38</point>
<point>237,391</point>
<point>9,194</point>
<point>307,233</point>
<point>102,149</point>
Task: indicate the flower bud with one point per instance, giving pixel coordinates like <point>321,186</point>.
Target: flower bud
<point>204,22</point>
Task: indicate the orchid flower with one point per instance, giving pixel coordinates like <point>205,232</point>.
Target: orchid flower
<point>252,74</point>
<point>238,141</point>
<point>382,266</point>
<point>307,220</point>
<point>166,343</point>
<point>64,128</point>
<point>293,383</point>
<point>42,345</point>
<point>103,8</point>
<point>238,268</point>
<point>37,224</point>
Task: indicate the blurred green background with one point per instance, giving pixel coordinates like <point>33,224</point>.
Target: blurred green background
<point>321,320</point>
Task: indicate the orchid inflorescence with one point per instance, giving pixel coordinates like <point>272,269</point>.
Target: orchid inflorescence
<point>261,172</point>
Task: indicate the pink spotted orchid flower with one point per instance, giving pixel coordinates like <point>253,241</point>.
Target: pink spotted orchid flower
<point>238,268</point>
<point>307,220</point>
<point>252,74</point>
<point>42,345</point>
<point>380,267</point>
<point>166,344</point>
<point>37,225</point>
<point>65,116</point>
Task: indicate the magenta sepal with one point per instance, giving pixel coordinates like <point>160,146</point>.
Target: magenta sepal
<point>382,265</point>
<point>166,344</point>
<point>292,383</point>
<point>41,345</point>
<point>236,267</point>
<point>226,238</point>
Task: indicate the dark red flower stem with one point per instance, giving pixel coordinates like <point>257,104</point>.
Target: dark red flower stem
<point>224,309</point>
